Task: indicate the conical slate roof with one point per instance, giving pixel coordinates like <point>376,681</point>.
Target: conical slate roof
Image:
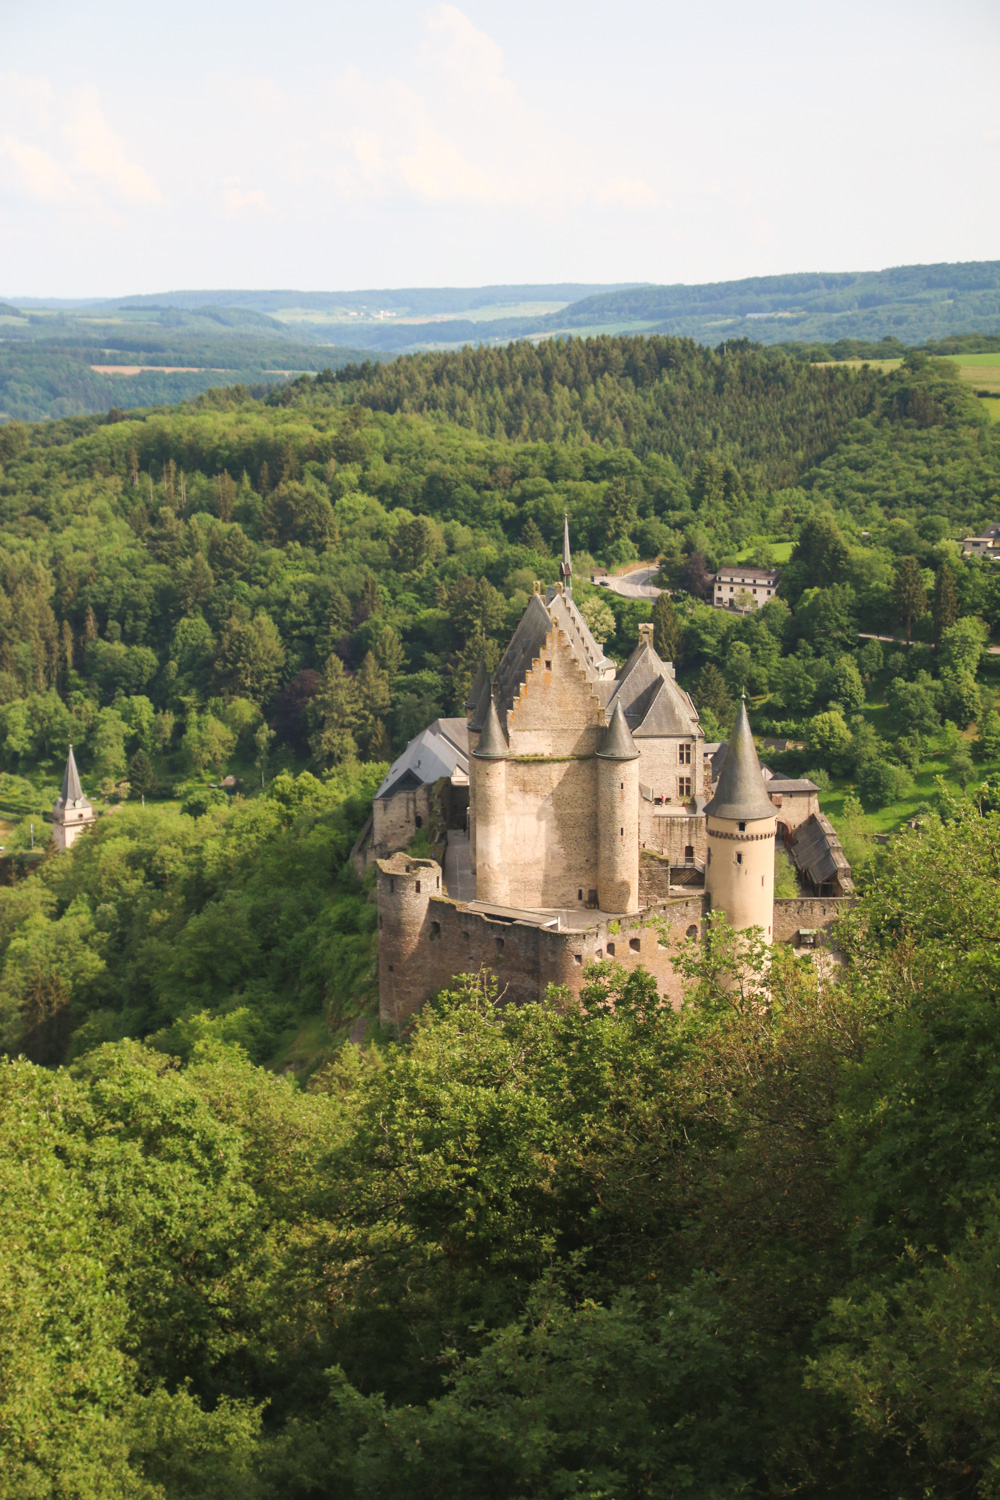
<point>618,743</point>
<point>492,745</point>
<point>72,792</point>
<point>478,683</point>
<point>740,794</point>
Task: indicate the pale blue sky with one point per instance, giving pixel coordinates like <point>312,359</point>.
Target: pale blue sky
<point>214,144</point>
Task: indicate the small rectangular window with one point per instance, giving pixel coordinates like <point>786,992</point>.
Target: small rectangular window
<point>684,786</point>
<point>548,666</point>
<point>611,950</point>
<point>418,887</point>
<point>739,859</point>
<point>634,944</point>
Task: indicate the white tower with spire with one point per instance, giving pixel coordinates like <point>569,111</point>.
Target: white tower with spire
<point>71,811</point>
<point>741,823</point>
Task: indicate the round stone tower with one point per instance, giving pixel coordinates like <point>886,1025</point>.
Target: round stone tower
<point>489,766</point>
<point>739,876</point>
<point>405,888</point>
<point>618,818</point>
<point>472,714</point>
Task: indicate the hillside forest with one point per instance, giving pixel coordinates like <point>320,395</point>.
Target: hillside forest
<point>65,357</point>
<point>744,1249</point>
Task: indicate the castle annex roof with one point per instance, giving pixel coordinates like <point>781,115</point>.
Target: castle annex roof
<point>71,795</point>
<point>492,745</point>
<point>618,743</point>
<point>740,793</point>
<point>654,702</point>
<point>442,749</point>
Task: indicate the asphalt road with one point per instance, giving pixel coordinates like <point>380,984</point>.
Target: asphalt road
<point>635,585</point>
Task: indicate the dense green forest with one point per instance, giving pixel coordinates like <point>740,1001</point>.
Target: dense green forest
<point>200,340</point>
<point>610,1251</point>
<point>743,1250</point>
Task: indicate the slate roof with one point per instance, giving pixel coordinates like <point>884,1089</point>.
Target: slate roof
<point>740,793</point>
<point>617,742</point>
<point>439,750</point>
<point>478,683</point>
<point>653,700</point>
<point>72,792</point>
<point>492,745</point>
<point>817,852</point>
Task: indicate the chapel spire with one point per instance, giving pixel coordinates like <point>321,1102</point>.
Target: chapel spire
<point>566,566</point>
<point>71,811</point>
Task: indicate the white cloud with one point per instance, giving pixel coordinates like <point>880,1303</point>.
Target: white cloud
<point>37,172</point>
<point>61,150</point>
<point>241,200</point>
<point>461,133</point>
<point>100,153</point>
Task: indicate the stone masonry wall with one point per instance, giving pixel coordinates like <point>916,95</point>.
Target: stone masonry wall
<point>453,939</point>
<point>792,913</point>
<point>550,851</point>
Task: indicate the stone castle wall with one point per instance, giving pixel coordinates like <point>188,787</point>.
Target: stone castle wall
<point>425,939</point>
<point>793,914</point>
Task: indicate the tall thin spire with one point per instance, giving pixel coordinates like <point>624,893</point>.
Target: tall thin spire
<point>566,566</point>
<point>72,792</point>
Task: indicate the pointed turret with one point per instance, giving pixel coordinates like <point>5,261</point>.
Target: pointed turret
<point>71,811</point>
<point>492,745</point>
<point>489,774</point>
<point>740,793</point>
<point>566,566</point>
<point>618,743</point>
<point>478,683</point>
<point>740,822</point>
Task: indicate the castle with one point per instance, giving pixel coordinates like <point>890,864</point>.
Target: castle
<point>598,825</point>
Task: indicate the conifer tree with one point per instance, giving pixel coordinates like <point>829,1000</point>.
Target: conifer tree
<point>945,602</point>
<point>668,632</point>
<point>909,597</point>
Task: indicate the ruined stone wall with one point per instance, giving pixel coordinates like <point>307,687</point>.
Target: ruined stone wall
<point>793,913</point>
<point>425,940</point>
<point>551,831</point>
<point>394,819</point>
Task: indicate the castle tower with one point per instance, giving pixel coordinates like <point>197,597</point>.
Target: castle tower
<point>618,818</point>
<point>71,811</point>
<point>739,876</point>
<point>489,767</point>
<point>479,684</point>
<point>405,959</point>
<point>566,566</point>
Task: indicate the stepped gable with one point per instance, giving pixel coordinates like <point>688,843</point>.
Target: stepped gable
<point>71,795</point>
<point>617,742</point>
<point>740,794</point>
<point>563,612</point>
<point>526,645</point>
